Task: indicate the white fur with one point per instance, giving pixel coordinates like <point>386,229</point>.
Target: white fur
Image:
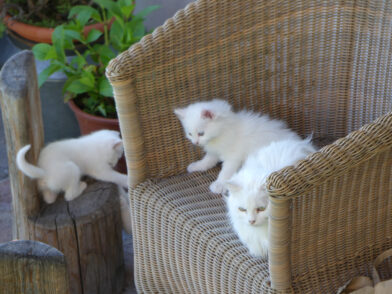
<point>125,210</point>
<point>247,190</point>
<point>62,163</point>
<point>227,136</point>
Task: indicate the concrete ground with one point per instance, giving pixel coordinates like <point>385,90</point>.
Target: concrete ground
<point>54,129</point>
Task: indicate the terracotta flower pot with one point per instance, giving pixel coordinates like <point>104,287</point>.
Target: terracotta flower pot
<point>89,123</point>
<point>39,34</point>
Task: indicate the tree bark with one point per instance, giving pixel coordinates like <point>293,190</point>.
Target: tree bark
<point>32,267</point>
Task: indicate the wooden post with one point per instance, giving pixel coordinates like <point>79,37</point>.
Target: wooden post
<point>21,110</point>
<point>32,267</point>
<point>88,229</point>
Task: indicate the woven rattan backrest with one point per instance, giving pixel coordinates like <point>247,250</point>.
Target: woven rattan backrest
<point>323,66</point>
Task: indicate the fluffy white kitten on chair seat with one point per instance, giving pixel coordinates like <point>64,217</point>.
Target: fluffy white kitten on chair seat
<point>61,164</point>
<point>227,136</point>
<point>247,195</point>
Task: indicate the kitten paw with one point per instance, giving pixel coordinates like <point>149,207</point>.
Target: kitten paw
<point>74,192</point>
<point>194,167</point>
<point>49,196</point>
<point>82,187</point>
<point>217,187</point>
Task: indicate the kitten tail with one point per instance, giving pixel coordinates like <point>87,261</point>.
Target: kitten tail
<point>28,169</point>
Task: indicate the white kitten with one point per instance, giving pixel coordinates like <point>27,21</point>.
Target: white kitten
<point>227,136</point>
<point>62,163</point>
<point>248,198</point>
<point>125,210</point>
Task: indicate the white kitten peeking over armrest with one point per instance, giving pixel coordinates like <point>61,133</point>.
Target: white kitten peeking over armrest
<point>61,164</point>
<point>247,200</point>
<point>227,136</point>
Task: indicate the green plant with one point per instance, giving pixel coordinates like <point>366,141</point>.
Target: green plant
<point>2,28</point>
<point>85,72</point>
<point>45,13</point>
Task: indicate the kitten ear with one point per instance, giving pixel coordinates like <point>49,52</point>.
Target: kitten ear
<point>233,186</point>
<point>207,114</point>
<point>180,112</point>
<point>118,145</point>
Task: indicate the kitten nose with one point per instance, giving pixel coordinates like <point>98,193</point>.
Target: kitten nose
<point>252,221</point>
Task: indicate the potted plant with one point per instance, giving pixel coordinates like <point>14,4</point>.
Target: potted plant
<point>32,21</point>
<point>86,89</point>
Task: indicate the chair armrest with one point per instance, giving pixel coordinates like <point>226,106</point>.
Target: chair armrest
<point>327,211</point>
<point>333,159</point>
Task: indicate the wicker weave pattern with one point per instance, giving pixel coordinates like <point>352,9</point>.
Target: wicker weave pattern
<point>310,63</point>
<point>198,252</point>
<point>322,66</point>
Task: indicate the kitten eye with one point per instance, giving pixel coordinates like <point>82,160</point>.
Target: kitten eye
<point>260,209</point>
<point>200,134</point>
<point>241,209</point>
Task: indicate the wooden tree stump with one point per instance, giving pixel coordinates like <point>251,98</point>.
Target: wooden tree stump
<point>88,229</point>
<point>32,267</point>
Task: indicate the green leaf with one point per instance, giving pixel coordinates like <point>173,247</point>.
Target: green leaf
<point>88,79</point>
<point>58,34</point>
<point>127,8</point>
<point>79,61</point>
<point>77,87</point>
<point>105,53</point>
<point>105,89</point>
<point>74,26</point>
<point>2,28</point>
<point>83,17</point>
<point>126,2</point>
<point>47,72</point>
<point>137,28</point>
<point>44,51</point>
<point>112,7</point>
<point>66,85</point>
<point>74,11</point>
<point>93,35</point>
<point>116,34</point>
<point>146,11</point>
<point>58,37</point>
<point>74,35</point>
<point>84,13</point>
<point>102,110</point>
<point>111,110</point>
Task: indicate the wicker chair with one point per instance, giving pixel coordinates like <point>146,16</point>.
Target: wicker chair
<point>322,66</point>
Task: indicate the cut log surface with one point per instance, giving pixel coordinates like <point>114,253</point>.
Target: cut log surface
<point>32,267</point>
<point>88,231</point>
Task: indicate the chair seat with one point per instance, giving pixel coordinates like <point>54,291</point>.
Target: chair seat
<point>186,242</point>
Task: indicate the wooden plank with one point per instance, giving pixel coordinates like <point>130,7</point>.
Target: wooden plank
<point>32,267</point>
<point>21,111</point>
